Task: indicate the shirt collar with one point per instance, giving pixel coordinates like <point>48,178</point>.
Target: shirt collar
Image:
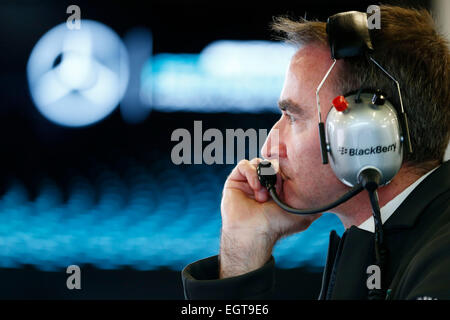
<point>389,208</point>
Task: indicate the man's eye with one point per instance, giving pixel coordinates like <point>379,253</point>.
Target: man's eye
<point>291,118</point>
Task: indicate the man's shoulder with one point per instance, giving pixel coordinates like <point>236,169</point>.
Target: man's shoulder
<point>427,273</point>
<point>434,237</point>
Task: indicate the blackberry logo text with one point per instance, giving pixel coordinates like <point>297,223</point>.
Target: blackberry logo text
<point>367,151</point>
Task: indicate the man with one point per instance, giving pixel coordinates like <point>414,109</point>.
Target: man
<point>415,205</point>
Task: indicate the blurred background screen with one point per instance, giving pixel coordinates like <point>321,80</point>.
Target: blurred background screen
<point>88,108</point>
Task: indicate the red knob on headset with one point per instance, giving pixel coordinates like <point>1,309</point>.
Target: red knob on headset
<point>340,103</point>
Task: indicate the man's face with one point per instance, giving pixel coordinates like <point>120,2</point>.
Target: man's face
<point>307,182</point>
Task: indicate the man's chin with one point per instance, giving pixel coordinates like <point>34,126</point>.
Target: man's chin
<point>289,197</point>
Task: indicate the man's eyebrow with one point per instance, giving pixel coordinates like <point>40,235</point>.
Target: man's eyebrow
<point>291,106</point>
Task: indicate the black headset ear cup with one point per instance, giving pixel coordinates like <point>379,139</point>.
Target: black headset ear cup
<point>348,34</point>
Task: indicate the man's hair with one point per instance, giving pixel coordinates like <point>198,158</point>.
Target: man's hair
<point>408,46</point>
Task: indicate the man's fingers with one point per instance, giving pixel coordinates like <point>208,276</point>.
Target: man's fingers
<point>255,161</point>
<point>245,171</point>
<point>245,178</point>
<point>240,185</point>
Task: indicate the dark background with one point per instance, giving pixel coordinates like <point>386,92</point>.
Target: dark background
<point>32,146</point>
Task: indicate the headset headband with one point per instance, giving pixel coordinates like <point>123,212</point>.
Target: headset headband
<point>348,34</point>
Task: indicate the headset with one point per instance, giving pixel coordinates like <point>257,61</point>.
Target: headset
<point>363,136</point>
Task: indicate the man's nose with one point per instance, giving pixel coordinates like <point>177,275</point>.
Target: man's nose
<point>274,147</point>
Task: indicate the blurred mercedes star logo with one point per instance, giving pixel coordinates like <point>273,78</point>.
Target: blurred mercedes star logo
<point>78,77</point>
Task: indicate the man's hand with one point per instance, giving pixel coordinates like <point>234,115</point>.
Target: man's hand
<point>252,222</point>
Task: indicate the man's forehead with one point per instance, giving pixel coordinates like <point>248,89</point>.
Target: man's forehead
<point>314,56</point>
<point>306,69</point>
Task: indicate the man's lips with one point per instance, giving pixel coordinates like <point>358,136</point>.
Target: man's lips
<point>283,175</point>
<point>279,169</point>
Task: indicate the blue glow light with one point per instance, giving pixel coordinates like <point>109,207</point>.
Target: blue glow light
<point>143,218</point>
<point>78,77</point>
<point>227,76</point>
<point>138,42</point>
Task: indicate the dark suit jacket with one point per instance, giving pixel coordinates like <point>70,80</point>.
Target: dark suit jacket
<point>417,236</point>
